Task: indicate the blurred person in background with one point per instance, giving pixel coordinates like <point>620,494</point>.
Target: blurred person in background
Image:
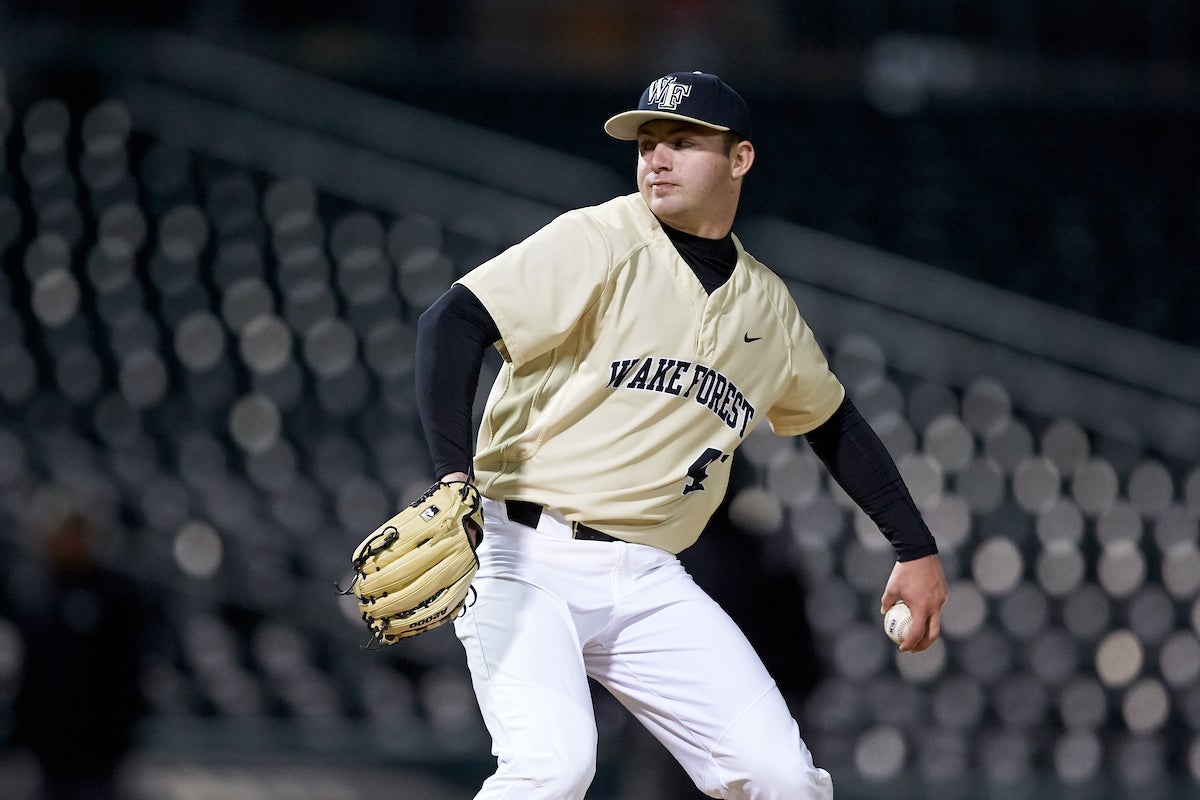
<point>751,574</point>
<point>78,700</point>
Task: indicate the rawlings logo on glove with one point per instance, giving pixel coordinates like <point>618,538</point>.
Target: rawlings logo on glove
<point>414,572</point>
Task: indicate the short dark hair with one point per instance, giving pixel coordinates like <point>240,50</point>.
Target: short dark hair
<point>731,140</point>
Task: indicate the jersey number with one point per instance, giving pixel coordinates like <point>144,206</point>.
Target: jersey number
<point>698,472</point>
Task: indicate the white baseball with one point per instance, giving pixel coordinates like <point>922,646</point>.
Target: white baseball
<point>897,621</point>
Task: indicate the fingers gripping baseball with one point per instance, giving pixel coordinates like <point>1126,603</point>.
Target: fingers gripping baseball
<point>921,584</point>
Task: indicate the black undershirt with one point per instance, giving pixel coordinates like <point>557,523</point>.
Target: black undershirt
<point>452,336</point>
<point>455,332</point>
<point>712,260</point>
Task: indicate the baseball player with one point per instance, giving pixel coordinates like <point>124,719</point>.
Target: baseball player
<point>641,344</point>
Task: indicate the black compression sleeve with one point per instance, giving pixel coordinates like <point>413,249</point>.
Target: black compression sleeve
<point>452,336</point>
<point>861,464</point>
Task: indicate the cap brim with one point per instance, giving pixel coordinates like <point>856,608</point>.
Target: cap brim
<point>626,124</point>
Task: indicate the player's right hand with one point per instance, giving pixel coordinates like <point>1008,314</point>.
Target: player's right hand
<point>921,584</point>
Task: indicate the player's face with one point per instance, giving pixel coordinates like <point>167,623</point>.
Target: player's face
<point>688,179</point>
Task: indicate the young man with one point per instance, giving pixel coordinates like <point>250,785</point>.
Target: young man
<point>641,344</point>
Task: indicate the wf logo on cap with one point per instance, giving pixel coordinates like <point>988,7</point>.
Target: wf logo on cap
<point>666,93</point>
<point>700,98</point>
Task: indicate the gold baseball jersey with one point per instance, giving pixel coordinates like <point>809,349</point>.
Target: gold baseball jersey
<point>626,387</point>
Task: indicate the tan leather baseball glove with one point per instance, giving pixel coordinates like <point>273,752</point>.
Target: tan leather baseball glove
<point>414,572</point>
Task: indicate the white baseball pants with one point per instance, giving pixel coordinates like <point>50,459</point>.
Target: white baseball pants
<point>552,610</point>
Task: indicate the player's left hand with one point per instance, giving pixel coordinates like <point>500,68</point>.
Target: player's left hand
<point>921,584</point>
<point>473,531</point>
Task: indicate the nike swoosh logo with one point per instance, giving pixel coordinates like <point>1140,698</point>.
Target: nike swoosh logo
<point>748,338</point>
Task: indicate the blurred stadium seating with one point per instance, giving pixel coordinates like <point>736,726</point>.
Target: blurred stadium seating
<point>213,267</point>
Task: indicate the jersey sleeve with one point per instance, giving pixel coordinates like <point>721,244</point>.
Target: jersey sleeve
<point>813,392</point>
<point>537,290</point>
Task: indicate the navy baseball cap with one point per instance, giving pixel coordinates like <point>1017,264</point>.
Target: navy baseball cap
<point>697,97</point>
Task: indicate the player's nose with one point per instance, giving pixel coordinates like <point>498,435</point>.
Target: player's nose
<point>658,158</point>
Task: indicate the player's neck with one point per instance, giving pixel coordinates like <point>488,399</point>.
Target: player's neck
<point>710,229</point>
<point>675,234</point>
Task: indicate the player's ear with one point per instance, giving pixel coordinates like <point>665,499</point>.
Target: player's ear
<point>741,157</point>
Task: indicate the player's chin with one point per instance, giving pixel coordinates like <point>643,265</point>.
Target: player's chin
<point>663,202</point>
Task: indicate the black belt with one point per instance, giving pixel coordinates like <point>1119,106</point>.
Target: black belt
<point>528,514</point>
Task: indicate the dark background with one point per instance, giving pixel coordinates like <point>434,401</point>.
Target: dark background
<point>1044,147</point>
